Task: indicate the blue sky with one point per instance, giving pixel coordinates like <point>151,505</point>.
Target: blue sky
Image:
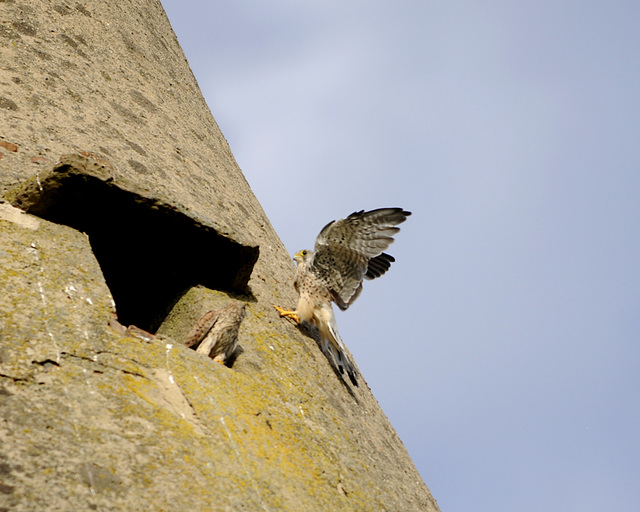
<point>504,342</point>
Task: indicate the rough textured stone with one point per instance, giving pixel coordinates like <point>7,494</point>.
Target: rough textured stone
<point>138,214</point>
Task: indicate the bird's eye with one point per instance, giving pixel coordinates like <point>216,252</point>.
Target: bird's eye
<point>304,253</point>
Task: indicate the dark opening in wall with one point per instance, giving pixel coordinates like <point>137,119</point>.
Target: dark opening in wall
<point>149,251</point>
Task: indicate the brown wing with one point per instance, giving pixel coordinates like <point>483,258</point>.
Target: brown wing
<point>201,328</point>
<point>348,250</point>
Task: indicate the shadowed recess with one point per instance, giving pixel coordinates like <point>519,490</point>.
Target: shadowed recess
<point>149,251</point>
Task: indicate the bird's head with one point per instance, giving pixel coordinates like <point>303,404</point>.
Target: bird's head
<point>302,255</point>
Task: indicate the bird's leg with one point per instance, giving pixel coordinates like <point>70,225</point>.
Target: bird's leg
<point>287,313</point>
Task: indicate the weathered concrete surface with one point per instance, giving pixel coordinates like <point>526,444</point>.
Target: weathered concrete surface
<point>96,417</point>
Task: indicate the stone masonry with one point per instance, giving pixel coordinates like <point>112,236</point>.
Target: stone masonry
<point>124,217</point>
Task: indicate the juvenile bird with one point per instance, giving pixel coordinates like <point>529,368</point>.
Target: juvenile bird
<point>216,333</point>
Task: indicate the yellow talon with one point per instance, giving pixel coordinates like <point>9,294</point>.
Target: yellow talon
<point>287,313</point>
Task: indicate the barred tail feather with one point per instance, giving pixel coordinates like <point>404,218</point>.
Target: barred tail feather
<point>338,351</point>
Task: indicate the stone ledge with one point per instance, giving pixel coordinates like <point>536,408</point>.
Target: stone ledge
<point>150,249</point>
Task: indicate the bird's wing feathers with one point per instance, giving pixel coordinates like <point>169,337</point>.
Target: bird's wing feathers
<point>201,328</point>
<point>350,249</point>
<point>379,265</point>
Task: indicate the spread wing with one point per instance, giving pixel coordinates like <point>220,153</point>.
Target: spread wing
<point>349,250</point>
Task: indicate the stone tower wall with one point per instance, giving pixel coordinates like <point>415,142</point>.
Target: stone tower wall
<point>124,218</point>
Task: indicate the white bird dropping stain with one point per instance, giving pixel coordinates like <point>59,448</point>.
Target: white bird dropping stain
<point>171,379</point>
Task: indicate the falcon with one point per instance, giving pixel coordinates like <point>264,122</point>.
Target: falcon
<point>216,333</point>
<point>346,252</point>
